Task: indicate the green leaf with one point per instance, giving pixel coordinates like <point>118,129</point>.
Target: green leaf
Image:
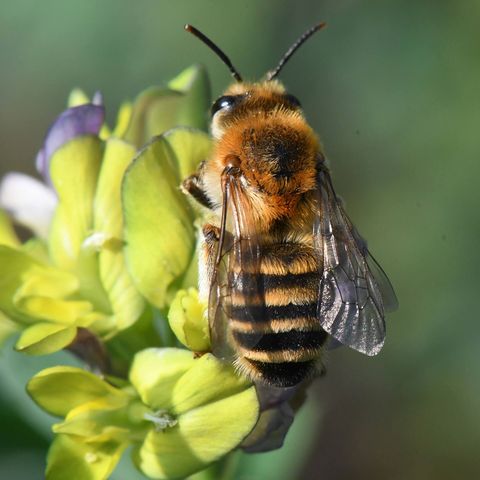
<point>188,320</point>
<point>159,230</point>
<point>70,458</point>
<point>125,301</point>
<point>7,233</point>
<point>60,389</point>
<point>155,371</point>
<point>156,110</point>
<point>44,338</point>
<point>201,436</point>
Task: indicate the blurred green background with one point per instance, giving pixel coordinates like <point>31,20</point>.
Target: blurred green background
<point>393,88</point>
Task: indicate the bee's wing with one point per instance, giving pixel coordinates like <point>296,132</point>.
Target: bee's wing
<point>235,280</point>
<point>354,289</point>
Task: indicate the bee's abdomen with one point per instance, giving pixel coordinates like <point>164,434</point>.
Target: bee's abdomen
<point>273,316</point>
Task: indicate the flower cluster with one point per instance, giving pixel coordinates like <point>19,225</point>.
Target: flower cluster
<point>109,273</point>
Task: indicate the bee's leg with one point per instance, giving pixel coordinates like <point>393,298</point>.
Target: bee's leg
<point>207,253</point>
<point>193,186</point>
<point>211,234</point>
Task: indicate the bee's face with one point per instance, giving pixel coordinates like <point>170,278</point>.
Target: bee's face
<point>264,128</point>
<point>243,100</point>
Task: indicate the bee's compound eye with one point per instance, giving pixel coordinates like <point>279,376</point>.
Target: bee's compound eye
<point>224,102</point>
<point>293,100</point>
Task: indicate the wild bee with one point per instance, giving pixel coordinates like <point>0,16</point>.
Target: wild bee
<point>283,268</point>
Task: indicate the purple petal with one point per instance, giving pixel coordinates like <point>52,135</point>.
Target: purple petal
<point>76,121</point>
<point>97,98</point>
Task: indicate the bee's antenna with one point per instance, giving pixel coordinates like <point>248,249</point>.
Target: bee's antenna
<point>220,53</point>
<point>300,41</point>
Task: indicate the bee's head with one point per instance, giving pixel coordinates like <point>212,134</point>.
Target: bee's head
<point>250,100</point>
<point>264,128</point>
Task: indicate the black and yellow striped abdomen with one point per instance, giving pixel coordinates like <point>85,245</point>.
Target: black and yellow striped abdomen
<point>273,318</point>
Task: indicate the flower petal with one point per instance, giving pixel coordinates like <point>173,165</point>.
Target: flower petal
<point>7,233</point>
<point>60,389</point>
<point>194,84</point>
<point>124,116</point>
<point>69,457</point>
<point>126,303</point>
<point>47,282</point>
<point>159,231</point>
<point>62,312</point>
<point>190,147</point>
<point>201,436</point>
<point>74,122</point>
<point>188,320</point>
<point>158,109</point>
<point>99,420</point>
<point>45,338</point>
<point>15,264</point>
<point>74,169</point>
<point>30,202</point>
<point>155,371</point>
<point>209,380</point>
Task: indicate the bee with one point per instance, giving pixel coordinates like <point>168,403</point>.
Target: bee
<point>283,269</point>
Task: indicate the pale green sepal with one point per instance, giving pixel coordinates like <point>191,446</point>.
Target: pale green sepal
<point>188,320</point>
<point>155,371</point>
<point>74,170</point>
<point>159,232</point>
<point>207,381</point>
<point>61,389</point>
<point>45,338</point>
<point>126,303</point>
<point>7,233</point>
<point>201,436</point>
<point>68,457</point>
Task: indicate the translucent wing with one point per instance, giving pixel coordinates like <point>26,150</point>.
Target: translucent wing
<point>235,285</point>
<point>353,289</point>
